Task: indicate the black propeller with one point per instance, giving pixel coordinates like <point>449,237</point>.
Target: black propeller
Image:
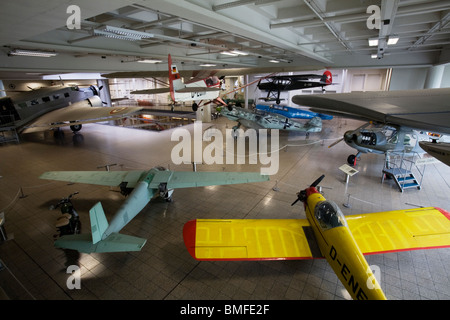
<point>302,194</point>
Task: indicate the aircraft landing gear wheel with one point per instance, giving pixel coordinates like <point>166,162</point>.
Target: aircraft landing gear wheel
<point>351,159</point>
<point>195,107</point>
<point>76,127</point>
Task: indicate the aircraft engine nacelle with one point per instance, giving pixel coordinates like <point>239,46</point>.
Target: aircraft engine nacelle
<point>365,138</point>
<point>95,101</point>
<point>368,138</point>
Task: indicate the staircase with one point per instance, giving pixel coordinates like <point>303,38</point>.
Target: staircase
<point>400,167</point>
<point>8,134</point>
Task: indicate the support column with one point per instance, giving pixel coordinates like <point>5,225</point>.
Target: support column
<point>246,91</point>
<point>203,114</point>
<point>434,77</point>
<point>2,89</point>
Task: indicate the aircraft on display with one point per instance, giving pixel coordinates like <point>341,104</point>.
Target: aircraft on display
<point>276,84</point>
<point>383,139</point>
<point>262,120</point>
<point>402,114</point>
<point>54,107</point>
<point>293,113</point>
<point>326,233</point>
<point>198,88</point>
<point>204,85</point>
<point>140,187</point>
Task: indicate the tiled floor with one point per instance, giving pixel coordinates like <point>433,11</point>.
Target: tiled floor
<point>34,269</point>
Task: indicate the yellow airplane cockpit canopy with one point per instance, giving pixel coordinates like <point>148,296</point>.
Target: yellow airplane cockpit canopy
<point>329,215</point>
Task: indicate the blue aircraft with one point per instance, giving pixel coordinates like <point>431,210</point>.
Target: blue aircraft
<point>290,112</point>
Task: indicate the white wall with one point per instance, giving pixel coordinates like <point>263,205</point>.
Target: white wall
<point>408,78</point>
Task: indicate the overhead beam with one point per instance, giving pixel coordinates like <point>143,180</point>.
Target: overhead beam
<point>247,29</point>
<point>239,3</point>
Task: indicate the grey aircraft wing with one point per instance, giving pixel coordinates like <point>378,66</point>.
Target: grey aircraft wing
<point>425,109</point>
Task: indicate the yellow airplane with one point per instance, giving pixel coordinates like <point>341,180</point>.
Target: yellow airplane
<point>326,233</point>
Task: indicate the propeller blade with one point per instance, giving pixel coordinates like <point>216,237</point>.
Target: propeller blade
<point>315,183</point>
<point>302,194</point>
<point>335,143</point>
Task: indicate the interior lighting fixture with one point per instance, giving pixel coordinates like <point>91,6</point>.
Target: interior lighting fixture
<point>373,42</point>
<point>122,33</point>
<point>392,40</point>
<point>274,61</point>
<point>207,65</point>
<point>374,55</point>
<point>149,61</point>
<point>229,53</point>
<point>238,52</point>
<point>32,53</point>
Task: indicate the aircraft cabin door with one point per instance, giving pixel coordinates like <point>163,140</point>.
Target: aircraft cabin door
<point>8,113</point>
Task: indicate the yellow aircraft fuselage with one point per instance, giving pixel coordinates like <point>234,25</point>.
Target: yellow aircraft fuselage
<point>339,248</point>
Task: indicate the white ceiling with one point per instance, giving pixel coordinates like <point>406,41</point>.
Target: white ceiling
<point>313,34</point>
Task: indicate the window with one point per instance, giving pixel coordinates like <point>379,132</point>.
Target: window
<point>46,99</point>
<point>66,94</point>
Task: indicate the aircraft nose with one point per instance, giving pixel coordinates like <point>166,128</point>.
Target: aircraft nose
<point>350,137</point>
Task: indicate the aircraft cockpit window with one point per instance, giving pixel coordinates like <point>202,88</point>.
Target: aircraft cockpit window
<point>211,81</point>
<point>283,82</point>
<point>329,215</point>
<point>391,135</point>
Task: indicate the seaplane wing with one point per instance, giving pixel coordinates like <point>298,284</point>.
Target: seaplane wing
<point>284,239</point>
<point>183,90</point>
<point>204,73</point>
<point>78,113</point>
<point>426,109</point>
<point>197,89</point>
<point>151,91</point>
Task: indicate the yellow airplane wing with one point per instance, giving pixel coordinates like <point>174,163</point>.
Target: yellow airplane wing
<point>249,239</point>
<point>400,230</point>
<point>283,239</point>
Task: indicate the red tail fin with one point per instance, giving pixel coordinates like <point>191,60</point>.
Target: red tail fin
<point>328,77</point>
<point>173,75</point>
